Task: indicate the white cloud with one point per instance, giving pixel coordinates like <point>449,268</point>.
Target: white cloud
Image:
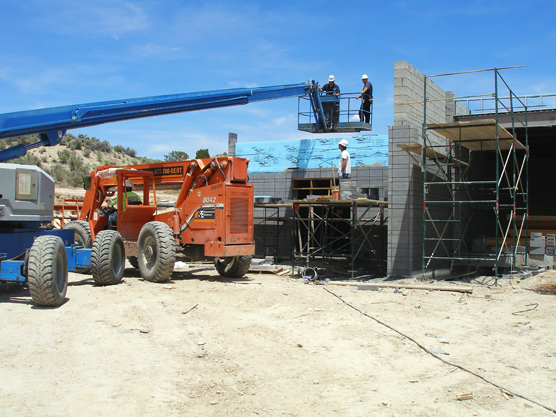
<point>101,16</point>
<point>62,78</point>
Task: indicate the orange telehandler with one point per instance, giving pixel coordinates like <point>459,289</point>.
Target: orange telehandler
<point>212,216</point>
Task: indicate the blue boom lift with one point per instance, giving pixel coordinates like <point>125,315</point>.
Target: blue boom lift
<point>35,255</point>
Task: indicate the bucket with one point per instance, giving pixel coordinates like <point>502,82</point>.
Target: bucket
<point>335,193</point>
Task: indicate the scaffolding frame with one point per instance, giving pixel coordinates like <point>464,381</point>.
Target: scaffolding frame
<point>462,200</point>
<point>324,231</point>
<point>271,226</point>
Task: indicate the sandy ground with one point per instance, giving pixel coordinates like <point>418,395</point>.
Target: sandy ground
<point>272,345</point>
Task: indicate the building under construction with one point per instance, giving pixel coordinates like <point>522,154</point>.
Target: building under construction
<point>458,185</point>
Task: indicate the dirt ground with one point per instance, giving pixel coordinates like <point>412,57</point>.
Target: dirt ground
<point>273,345</point>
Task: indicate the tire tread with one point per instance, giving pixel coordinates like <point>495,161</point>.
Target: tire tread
<point>41,271</point>
<point>163,269</point>
<point>101,258</point>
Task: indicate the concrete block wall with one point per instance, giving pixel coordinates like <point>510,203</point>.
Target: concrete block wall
<point>273,237</point>
<point>278,185</point>
<point>405,182</point>
<point>405,204</point>
<point>409,88</point>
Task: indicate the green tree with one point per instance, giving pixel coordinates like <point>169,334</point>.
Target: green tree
<point>131,152</point>
<point>176,156</point>
<point>202,153</point>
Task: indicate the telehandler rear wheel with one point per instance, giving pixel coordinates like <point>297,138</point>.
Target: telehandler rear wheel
<point>156,252</point>
<point>108,258</point>
<point>82,233</point>
<point>48,271</point>
<point>233,267</point>
<point>82,236</point>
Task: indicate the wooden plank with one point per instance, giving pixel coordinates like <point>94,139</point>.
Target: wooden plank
<point>538,222</point>
<point>544,232</point>
<point>509,241</point>
<point>431,153</point>
<point>539,218</point>
<point>477,135</point>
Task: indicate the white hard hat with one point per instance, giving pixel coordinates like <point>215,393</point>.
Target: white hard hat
<point>364,77</point>
<point>331,78</point>
<point>129,183</point>
<point>344,143</point>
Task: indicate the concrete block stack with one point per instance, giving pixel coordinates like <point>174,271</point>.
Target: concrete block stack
<point>537,244</point>
<point>550,244</point>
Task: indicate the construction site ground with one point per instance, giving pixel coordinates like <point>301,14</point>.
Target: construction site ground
<point>273,345</point>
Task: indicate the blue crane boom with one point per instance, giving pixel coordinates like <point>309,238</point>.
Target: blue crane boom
<point>52,123</point>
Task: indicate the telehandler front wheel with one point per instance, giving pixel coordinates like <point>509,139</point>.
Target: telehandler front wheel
<point>156,252</point>
<point>108,258</point>
<point>233,267</point>
<point>48,271</point>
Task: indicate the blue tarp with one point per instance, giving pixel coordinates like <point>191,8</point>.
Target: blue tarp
<point>276,156</point>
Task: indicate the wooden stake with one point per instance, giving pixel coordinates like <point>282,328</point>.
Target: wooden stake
<point>185,312</point>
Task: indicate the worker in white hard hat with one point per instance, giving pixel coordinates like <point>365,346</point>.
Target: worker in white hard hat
<point>331,104</point>
<point>130,198</point>
<point>331,87</point>
<point>344,166</point>
<point>367,95</point>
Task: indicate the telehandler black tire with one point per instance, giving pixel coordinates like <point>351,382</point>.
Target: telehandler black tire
<point>233,267</point>
<point>48,271</point>
<point>82,233</point>
<point>156,252</point>
<point>108,258</point>
<point>82,236</point>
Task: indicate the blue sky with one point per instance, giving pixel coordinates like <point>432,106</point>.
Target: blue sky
<point>66,52</point>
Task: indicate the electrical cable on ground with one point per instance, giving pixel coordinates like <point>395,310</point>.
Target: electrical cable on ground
<point>504,390</point>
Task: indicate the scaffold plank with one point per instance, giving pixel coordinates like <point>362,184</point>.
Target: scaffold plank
<point>431,154</point>
<point>477,135</point>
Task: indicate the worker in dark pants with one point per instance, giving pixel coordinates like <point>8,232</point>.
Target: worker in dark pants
<point>331,107</point>
<point>367,95</point>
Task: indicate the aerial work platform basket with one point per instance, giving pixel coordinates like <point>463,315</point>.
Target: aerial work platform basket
<point>332,114</point>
